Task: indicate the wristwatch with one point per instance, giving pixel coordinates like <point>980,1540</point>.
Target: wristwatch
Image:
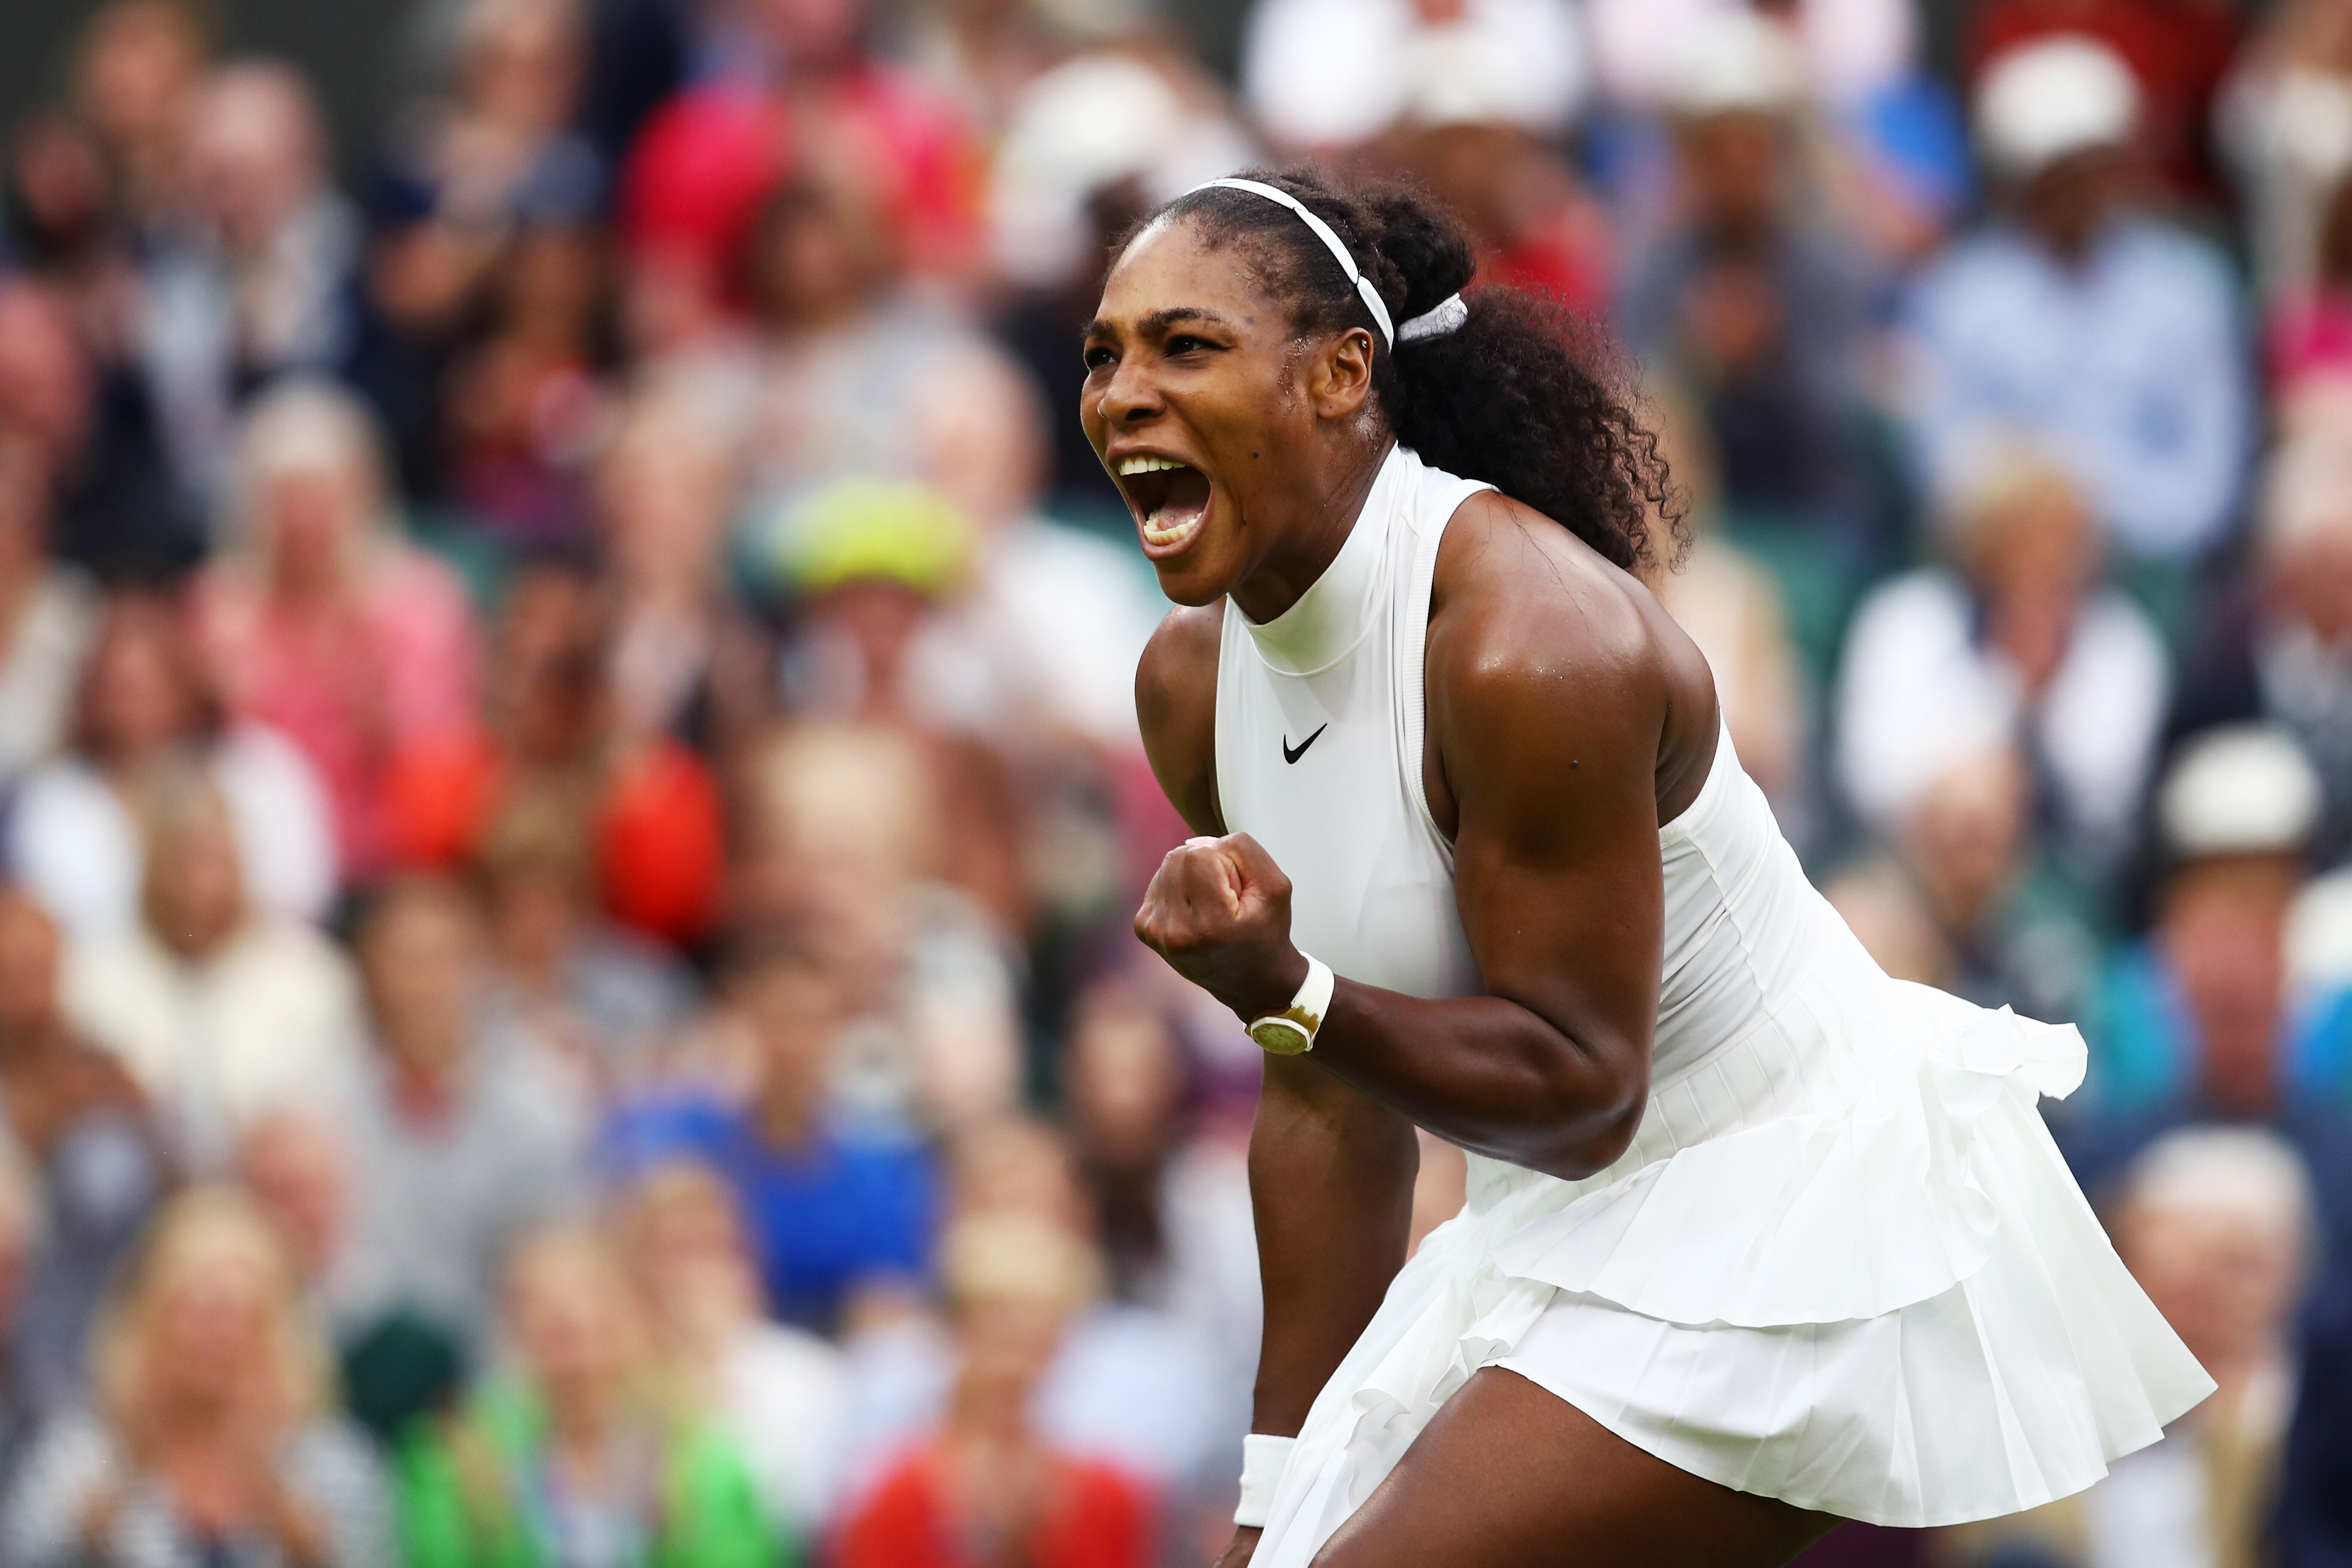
<point>1291,1032</point>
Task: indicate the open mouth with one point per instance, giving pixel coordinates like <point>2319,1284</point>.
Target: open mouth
<point>1170,499</point>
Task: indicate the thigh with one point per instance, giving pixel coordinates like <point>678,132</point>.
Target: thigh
<point>1509,1475</point>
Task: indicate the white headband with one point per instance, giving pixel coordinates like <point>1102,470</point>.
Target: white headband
<point>1449,313</point>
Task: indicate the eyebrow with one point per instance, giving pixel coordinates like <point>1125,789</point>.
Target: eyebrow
<point>1158,321</point>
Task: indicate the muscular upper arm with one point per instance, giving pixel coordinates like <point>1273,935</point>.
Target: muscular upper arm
<point>1549,693</point>
<point>1176,708</point>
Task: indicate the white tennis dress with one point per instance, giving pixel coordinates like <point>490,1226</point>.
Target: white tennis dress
<point>1842,1264</point>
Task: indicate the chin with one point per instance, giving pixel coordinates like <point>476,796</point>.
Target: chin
<point>1184,584</point>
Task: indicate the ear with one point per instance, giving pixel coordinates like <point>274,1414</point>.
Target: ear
<point>1341,377</point>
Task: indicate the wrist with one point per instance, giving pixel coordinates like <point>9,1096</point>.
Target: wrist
<point>1264,1457</point>
<point>1271,992</point>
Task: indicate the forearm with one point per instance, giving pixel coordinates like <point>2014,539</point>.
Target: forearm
<point>1490,1075</point>
<point>1331,1179</point>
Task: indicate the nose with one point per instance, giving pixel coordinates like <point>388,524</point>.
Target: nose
<point>1128,397</point>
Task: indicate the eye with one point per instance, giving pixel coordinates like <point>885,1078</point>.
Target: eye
<point>1098,356</point>
<point>1185,343</point>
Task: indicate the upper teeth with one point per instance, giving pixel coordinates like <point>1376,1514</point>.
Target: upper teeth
<point>1146,465</point>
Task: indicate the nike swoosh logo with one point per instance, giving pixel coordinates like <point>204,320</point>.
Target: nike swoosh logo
<point>1290,756</point>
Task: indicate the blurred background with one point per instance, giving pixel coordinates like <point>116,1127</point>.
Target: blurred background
<point>569,801</point>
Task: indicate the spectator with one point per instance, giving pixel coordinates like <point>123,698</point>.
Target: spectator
<point>1171,1200</point>
<point>888,856</point>
<point>2195,1024</point>
<point>324,622</point>
<point>1333,74</point>
<point>220,1010</point>
<point>839,102</point>
<point>2282,117</point>
<point>1132,1385</point>
<point>687,659</point>
<point>2021,640</point>
<point>2006,927</point>
<point>45,612</point>
<point>212,1440</point>
<point>2277,646</point>
<point>2307,329</point>
<point>2315,1528</point>
<point>146,709</point>
<point>2177,53</point>
<point>56,212</point>
<point>83,1131</point>
<point>987,1486</point>
<point>2215,1224</point>
<point>803,91</point>
<point>138,65</point>
<point>1039,647</point>
<point>525,403</point>
<point>112,505</point>
<point>777,1392</point>
<point>1762,319</point>
<point>859,367</point>
<point>2082,318</point>
<point>257,280</point>
<point>296,1165</point>
<point>839,1212</point>
<point>606,999</point>
<point>464,1138</point>
<point>982,53</point>
<point>462,172</point>
<point>571,1460</point>
<point>651,805</point>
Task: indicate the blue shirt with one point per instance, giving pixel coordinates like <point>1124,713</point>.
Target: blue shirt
<point>852,1204</point>
<point>2132,367</point>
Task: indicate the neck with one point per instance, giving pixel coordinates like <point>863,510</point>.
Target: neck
<point>579,1422</point>
<point>788,1119</point>
<point>1312,535</point>
<point>988,1417</point>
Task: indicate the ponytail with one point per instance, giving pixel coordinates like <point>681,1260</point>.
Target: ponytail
<point>1513,395</point>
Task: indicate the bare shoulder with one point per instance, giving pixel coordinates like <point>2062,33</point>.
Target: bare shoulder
<point>1176,708</point>
<point>1538,642</point>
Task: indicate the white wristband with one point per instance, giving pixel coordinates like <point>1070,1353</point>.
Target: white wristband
<point>1264,1458</point>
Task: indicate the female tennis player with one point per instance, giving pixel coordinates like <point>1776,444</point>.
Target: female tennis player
<point>1756,1236</point>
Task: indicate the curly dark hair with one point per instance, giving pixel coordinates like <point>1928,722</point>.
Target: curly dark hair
<point>1524,395</point>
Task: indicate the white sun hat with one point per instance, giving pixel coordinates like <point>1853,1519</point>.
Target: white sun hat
<point>2048,99</point>
<point>2238,789</point>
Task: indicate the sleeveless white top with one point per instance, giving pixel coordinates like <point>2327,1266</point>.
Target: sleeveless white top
<point>1842,1263</point>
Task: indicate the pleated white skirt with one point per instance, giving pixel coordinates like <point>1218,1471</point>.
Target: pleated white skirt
<point>1842,1264</point>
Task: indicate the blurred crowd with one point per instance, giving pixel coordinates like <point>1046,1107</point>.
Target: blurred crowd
<point>570,807</point>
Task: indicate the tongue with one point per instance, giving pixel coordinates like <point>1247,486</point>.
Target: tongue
<point>1188,497</point>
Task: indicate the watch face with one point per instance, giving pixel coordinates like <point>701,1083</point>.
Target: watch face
<point>1280,1037</point>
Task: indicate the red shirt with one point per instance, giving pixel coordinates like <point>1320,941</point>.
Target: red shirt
<point>1094,1518</point>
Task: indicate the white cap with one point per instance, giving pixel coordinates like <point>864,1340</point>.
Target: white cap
<point>2239,789</point>
<point>2045,101</point>
<point>1093,120</point>
<point>1735,62</point>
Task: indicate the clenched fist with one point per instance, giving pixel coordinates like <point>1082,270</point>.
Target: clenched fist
<point>1218,910</point>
